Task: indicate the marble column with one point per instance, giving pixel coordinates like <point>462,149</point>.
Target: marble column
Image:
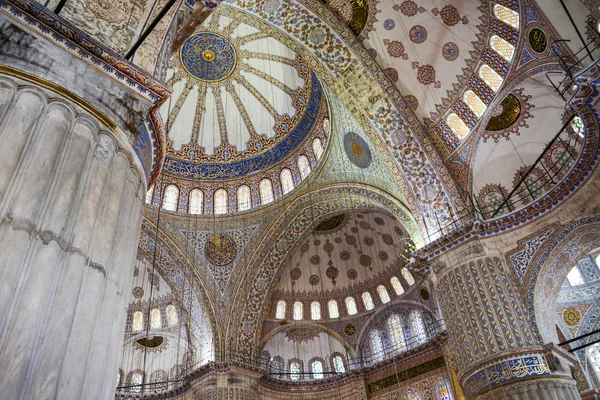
<point>71,195</point>
<point>495,350</point>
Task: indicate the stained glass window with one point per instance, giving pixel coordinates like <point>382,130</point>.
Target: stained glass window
<point>594,356</point>
<point>317,148</point>
<point>196,201</point>
<point>351,306</point>
<point>383,294</point>
<point>334,312</point>
<point>295,371</point>
<point>277,365</point>
<point>442,390</point>
<point>507,15</point>
<point>376,345</point>
<point>338,364</point>
<point>598,261</point>
<point>243,198</point>
<point>411,394</point>
<point>298,310</point>
<point>303,166</point>
<point>266,191</point>
<point>502,47</point>
<point>574,277</point>
<point>418,330</point>
<point>280,313</point>
<point>155,318</point>
<point>457,125</point>
<point>287,181</point>
<point>315,310</point>
<point>490,77</point>
<point>368,301</point>
<point>138,321</point>
<point>171,198</point>
<point>221,201</point>
<point>171,314</point>
<point>136,383</point>
<point>397,285</point>
<point>474,102</point>
<point>408,276</point>
<point>577,125</point>
<point>317,369</point>
<point>149,194</point>
<point>396,332</point>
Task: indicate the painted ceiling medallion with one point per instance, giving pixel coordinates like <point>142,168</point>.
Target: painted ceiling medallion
<point>357,150</point>
<point>331,223</point>
<point>208,56</point>
<point>510,115</point>
<point>571,316</point>
<point>220,250</point>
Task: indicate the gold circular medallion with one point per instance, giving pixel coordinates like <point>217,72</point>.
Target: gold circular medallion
<point>349,330</point>
<point>571,316</point>
<point>208,55</point>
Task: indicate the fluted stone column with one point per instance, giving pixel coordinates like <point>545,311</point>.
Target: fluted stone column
<point>71,194</point>
<point>497,355</point>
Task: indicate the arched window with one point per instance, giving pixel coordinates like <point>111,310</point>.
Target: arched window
<point>507,15</point>
<point>303,166</point>
<point>396,332</point>
<point>138,321</point>
<point>594,357</point>
<point>442,390</point>
<point>338,364</point>
<point>136,383</point>
<point>408,276</point>
<point>171,314</point>
<point>317,148</point>
<point>295,370</point>
<point>502,47</point>
<point>574,277</point>
<point>266,191</point>
<point>578,126</point>
<point>221,201</point>
<point>171,198</point>
<point>317,369</point>
<point>376,345</point>
<point>287,181</point>
<point>457,125</point>
<point>119,378</point>
<point>490,77</point>
<point>397,285</point>
<point>280,313</point>
<point>351,305</point>
<point>383,294</point>
<point>159,378</point>
<point>368,301</point>
<point>474,102</point>
<point>411,394</point>
<point>298,311</point>
<point>196,201</point>
<point>155,318</point>
<point>277,365</point>
<point>243,198</point>
<point>315,310</point>
<point>149,194</point>
<point>418,330</point>
<point>597,259</point>
<point>334,312</point>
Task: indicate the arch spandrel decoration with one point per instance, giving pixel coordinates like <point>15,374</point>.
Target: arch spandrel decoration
<point>285,236</point>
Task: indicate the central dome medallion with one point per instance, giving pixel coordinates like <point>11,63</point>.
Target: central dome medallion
<point>208,56</point>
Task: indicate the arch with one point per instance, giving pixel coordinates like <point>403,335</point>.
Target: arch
<point>338,363</point>
<point>303,166</point>
<point>315,311</point>
<point>333,308</point>
<point>280,313</point>
<point>417,327</point>
<point>170,198</point>
<point>155,319</point>
<point>475,103</point>
<point>368,301</point>
<point>221,206</point>
<point>138,321</point>
<point>277,365</point>
<point>397,285</point>
<point>244,201</point>
<point>460,129</point>
<point>442,390</point>
<point>408,276</point>
<point>376,345</point>
<point>351,305</point>
<point>196,203</point>
<point>172,318</point>
<point>383,294</point>
<point>317,367</point>
<point>266,191</point>
<point>287,181</point>
<point>396,331</point>
<point>317,147</point>
<point>490,77</point>
<point>506,15</point>
<point>411,394</point>
<point>295,368</point>
<point>298,312</point>
<point>502,47</point>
